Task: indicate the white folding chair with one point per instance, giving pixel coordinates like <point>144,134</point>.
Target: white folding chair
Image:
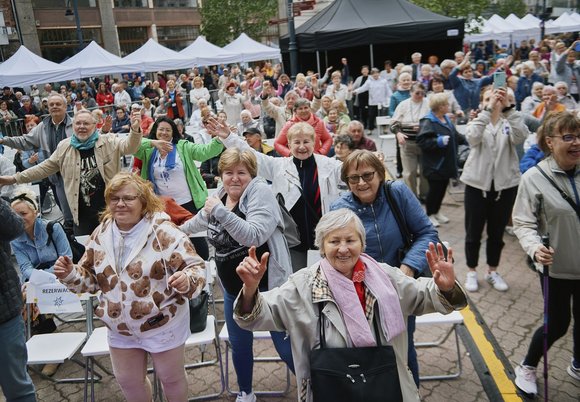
<point>258,335</point>
<point>54,348</point>
<point>453,319</point>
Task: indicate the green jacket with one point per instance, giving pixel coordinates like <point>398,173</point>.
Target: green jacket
<point>188,152</point>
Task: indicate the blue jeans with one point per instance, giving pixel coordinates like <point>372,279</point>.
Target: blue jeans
<point>14,379</point>
<point>242,346</point>
<point>412,353</point>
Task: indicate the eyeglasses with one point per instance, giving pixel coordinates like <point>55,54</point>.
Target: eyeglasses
<point>568,137</point>
<point>127,199</point>
<point>355,179</point>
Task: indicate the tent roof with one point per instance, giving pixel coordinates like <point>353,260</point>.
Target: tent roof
<point>350,23</point>
<point>157,57</point>
<point>251,50</point>
<point>94,60</point>
<point>25,68</point>
<point>203,53</point>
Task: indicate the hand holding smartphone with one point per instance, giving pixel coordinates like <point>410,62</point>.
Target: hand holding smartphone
<point>499,79</point>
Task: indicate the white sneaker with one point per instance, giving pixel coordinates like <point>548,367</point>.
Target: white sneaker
<point>434,221</point>
<point>471,282</point>
<point>573,370</point>
<point>441,218</point>
<point>243,397</point>
<point>496,281</point>
<point>526,379</point>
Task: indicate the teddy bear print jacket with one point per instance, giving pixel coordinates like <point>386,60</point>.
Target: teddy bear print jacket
<point>136,299</point>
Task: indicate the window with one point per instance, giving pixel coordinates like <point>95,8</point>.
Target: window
<point>63,4</point>
<point>59,44</point>
<point>130,3</point>
<point>131,39</point>
<point>175,3</point>
<point>177,38</point>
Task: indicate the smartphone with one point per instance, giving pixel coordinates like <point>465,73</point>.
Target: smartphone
<point>577,47</point>
<point>499,79</point>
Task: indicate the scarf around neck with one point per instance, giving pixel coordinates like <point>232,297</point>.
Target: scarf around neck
<point>169,164</point>
<point>380,285</point>
<point>87,144</point>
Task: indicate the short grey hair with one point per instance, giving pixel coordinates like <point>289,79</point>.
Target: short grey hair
<point>561,84</point>
<point>57,95</point>
<point>537,84</point>
<point>355,123</point>
<point>85,111</point>
<point>334,220</point>
<point>448,63</point>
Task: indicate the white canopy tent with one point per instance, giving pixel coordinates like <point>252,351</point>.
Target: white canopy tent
<point>203,53</point>
<point>493,29</point>
<point>522,29</point>
<point>157,57</point>
<point>250,50</point>
<point>564,23</point>
<point>94,60</point>
<point>25,68</point>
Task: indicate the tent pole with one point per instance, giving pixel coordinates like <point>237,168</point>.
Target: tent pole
<point>372,57</point>
<point>326,58</point>
<point>318,62</point>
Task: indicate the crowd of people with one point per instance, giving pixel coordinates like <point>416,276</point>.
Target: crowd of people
<point>284,153</point>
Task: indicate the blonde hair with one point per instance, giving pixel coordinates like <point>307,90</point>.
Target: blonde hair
<point>234,156</point>
<point>149,200</point>
<point>436,101</point>
<point>25,195</point>
<point>300,128</point>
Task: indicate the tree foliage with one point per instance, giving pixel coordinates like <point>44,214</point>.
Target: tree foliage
<point>224,20</point>
<point>454,8</point>
<point>507,7</point>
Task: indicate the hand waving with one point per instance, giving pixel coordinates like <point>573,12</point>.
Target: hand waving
<point>441,267</point>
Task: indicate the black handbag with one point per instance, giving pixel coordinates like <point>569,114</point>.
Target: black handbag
<point>366,374</point>
<point>198,307</point>
<point>291,232</point>
<point>77,248</point>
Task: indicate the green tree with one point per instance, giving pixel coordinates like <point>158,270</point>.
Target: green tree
<point>507,7</point>
<point>224,20</point>
<point>454,8</point>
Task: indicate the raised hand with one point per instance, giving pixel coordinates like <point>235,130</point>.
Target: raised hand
<point>63,267</point>
<point>214,127</point>
<point>136,120</point>
<point>441,267</point>
<point>164,147</point>
<point>251,270</point>
<point>107,125</point>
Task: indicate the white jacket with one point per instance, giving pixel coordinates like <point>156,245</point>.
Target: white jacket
<point>379,91</point>
<point>285,179</point>
<point>493,155</point>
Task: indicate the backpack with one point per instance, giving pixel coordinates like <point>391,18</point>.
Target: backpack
<point>77,248</point>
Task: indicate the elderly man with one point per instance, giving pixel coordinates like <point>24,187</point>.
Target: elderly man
<point>549,103</point>
<point>45,137</point>
<point>447,66</point>
<point>356,132</point>
<point>87,161</point>
<point>247,122</point>
<point>122,97</point>
<point>253,137</point>
<point>416,65</point>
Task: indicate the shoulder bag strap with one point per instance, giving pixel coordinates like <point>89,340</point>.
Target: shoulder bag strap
<point>565,196</point>
<point>397,213</point>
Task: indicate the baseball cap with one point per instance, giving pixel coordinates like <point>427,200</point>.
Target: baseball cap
<point>252,130</point>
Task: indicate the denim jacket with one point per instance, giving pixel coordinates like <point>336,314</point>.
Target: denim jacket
<point>29,253</point>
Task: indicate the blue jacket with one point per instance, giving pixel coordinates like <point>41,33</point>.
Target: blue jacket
<point>524,88</point>
<point>383,236</point>
<point>467,91</point>
<point>397,98</point>
<point>531,158</point>
<point>29,253</point>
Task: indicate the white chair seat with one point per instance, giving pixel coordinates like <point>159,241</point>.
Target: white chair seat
<point>54,348</point>
<point>97,344</point>
<point>452,318</point>
<point>225,336</point>
<point>204,337</point>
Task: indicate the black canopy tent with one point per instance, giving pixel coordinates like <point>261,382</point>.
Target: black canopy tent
<point>348,25</point>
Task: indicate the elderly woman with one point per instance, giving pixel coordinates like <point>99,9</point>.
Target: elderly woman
<point>198,92</point>
<point>334,124</point>
<point>244,213</point>
<point>349,294</point>
<point>491,176</point>
<point>308,182</point>
<point>232,102</point>
<point>438,141</point>
<point>280,113</point>
<point>87,161</point>
<point>104,98</point>
<point>405,123</point>
<point>365,176</point>
<point>343,146</point>
<point>174,102</point>
<point>337,90</point>
<point>303,114</point>
<point>146,269</point>
<point>540,209</point>
<point>7,120</point>
<point>168,162</point>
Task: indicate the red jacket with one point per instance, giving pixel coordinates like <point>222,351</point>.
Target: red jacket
<point>179,103</point>
<point>322,139</point>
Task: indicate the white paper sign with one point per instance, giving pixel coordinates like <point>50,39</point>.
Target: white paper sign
<point>50,295</point>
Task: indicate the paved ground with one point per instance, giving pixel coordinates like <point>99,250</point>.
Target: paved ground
<point>512,317</point>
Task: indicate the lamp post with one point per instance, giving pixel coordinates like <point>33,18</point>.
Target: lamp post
<point>69,14</point>
<point>292,48</point>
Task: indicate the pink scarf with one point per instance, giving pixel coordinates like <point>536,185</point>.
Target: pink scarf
<point>379,284</point>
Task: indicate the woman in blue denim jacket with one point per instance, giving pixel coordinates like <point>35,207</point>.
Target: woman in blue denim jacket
<point>34,249</point>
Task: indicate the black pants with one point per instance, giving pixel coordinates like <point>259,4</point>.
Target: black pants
<point>199,243</point>
<point>435,195</point>
<point>399,160</point>
<point>372,117</point>
<point>561,292</point>
<point>494,209</point>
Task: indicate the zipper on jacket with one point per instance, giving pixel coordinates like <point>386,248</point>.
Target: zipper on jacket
<point>378,233</point>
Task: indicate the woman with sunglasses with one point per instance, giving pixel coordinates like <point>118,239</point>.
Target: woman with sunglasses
<point>540,209</point>
<point>365,176</point>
